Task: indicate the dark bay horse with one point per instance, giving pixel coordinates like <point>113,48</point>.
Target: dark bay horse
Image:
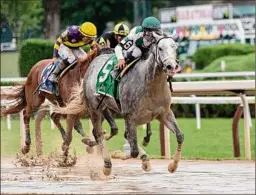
<point>26,97</point>
<point>149,100</point>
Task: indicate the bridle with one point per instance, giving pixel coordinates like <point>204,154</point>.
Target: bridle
<point>159,61</point>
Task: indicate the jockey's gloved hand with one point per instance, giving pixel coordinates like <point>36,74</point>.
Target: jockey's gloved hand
<point>121,64</point>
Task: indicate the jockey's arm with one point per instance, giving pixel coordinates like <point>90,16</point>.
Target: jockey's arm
<point>59,41</point>
<point>125,44</point>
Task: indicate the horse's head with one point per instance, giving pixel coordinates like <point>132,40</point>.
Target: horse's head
<point>165,53</point>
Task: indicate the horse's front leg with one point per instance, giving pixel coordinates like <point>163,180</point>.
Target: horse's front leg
<point>170,122</point>
<point>131,136</point>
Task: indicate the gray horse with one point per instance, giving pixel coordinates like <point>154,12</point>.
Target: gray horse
<point>144,96</point>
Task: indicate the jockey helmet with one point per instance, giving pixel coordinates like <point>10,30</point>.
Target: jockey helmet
<point>151,23</point>
<point>88,29</point>
<point>74,32</point>
<point>121,29</point>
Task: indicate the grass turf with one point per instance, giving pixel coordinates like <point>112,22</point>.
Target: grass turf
<point>9,64</point>
<point>213,141</point>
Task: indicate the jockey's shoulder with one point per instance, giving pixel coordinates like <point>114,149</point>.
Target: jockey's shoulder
<point>136,30</point>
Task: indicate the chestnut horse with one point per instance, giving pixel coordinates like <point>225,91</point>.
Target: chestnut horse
<point>28,98</point>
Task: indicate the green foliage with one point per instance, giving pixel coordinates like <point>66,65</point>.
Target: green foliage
<point>32,51</point>
<point>208,110</point>
<point>22,15</point>
<point>98,12</point>
<point>205,55</point>
<point>233,63</point>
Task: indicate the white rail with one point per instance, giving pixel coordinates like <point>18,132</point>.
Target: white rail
<point>245,74</point>
<point>215,75</point>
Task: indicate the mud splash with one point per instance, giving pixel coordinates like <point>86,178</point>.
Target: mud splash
<point>53,160</point>
<point>86,177</point>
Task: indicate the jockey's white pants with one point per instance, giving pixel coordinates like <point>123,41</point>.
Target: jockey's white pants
<point>70,55</point>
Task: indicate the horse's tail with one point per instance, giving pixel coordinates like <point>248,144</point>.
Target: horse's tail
<point>76,103</point>
<point>17,100</point>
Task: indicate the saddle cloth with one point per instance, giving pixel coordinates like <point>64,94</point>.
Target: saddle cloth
<point>106,84</point>
<point>45,84</point>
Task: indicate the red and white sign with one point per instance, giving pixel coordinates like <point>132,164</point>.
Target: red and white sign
<point>192,13</point>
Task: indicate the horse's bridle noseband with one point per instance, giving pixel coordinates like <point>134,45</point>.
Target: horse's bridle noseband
<point>160,62</point>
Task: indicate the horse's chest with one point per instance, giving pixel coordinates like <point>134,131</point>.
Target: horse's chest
<point>149,108</point>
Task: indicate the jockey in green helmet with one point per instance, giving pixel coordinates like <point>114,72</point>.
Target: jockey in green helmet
<point>140,37</point>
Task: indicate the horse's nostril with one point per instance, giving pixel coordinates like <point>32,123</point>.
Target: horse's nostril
<point>169,67</point>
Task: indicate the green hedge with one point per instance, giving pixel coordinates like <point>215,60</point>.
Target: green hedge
<point>208,110</point>
<point>32,51</point>
<point>205,55</point>
<point>233,63</point>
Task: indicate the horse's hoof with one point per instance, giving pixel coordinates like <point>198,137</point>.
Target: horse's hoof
<point>107,137</point>
<point>172,167</point>
<point>89,150</point>
<point>146,166</point>
<point>86,140</point>
<point>117,154</point>
<point>134,154</point>
<point>25,150</point>
<point>107,171</point>
<point>144,143</point>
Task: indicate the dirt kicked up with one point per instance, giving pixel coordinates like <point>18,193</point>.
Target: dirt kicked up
<point>83,175</point>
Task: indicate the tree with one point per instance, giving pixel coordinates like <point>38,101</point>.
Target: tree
<point>52,18</point>
<point>22,16</point>
<point>99,12</point>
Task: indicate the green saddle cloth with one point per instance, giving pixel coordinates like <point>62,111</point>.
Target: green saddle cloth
<point>106,84</point>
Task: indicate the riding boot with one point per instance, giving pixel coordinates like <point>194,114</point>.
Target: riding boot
<point>60,65</point>
<point>169,80</point>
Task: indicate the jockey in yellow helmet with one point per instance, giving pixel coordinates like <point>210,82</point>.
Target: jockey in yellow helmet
<point>112,38</point>
<point>68,46</point>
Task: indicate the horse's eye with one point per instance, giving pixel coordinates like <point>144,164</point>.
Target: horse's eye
<point>160,49</point>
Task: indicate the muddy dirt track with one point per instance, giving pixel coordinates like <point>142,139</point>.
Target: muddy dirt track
<point>86,177</point>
